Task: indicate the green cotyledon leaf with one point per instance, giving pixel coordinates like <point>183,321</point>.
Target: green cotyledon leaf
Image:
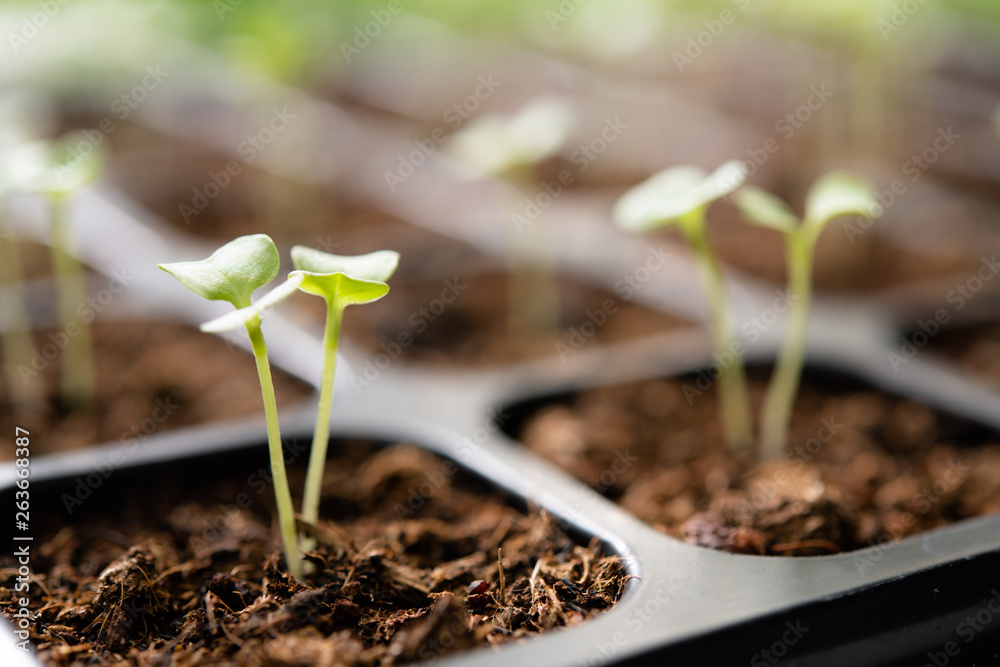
<point>254,311</point>
<point>233,272</point>
<point>378,265</point>
<point>839,193</point>
<point>764,209</point>
<point>668,196</point>
<point>340,289</point>
<point>58,167</point>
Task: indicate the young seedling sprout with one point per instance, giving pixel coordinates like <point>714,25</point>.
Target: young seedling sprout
<point>233,273</point>
<point>681,196</point>
<point>57,172</point>
<point>342,282</point>
<point>510,149</point>
<point>833,195</point>
<point>16,334</point>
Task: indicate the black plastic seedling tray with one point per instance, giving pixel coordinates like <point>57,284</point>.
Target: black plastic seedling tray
<point>908,601</point>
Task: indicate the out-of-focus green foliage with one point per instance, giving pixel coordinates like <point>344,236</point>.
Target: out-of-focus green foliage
<point>304,41</point>
<point>976,10</point>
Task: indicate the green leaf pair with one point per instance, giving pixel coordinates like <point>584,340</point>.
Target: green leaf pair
<point>238,269</point>
<point>673,195</point>
<point>499,144</point>
<point>833,195</point>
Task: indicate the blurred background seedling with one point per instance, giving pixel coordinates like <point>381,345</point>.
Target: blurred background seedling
<point>833,195</point>
<point>58,170</point>
<point>680,197</point>
<point>510,148</point>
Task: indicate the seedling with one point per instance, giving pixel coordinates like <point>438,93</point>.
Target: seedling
<point>16,330</point>
<point>500,145</point>
<point>342,282</point>
<point>681,196</point>
<point>833,195</point>
<point>57,172</point>
<point>863,35</point>
<point>233,273</point>
<point>510,149</point>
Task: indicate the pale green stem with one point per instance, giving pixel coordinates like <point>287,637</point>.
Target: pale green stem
<point>734,400</point>
<point>868,125</point>
<point>831,120</point>
<point>78,364</point>
<point>16,332</point>
<point>533,298</point>
<point>282,493</point>
<point>321,434</point>
<point>781,391</point>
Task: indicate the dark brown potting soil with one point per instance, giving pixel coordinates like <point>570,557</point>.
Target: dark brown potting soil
<point>464,320</point>
<point>415,560</point>
<point>976,348</point>
<point>862,466</point>
<point>151,377</point>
